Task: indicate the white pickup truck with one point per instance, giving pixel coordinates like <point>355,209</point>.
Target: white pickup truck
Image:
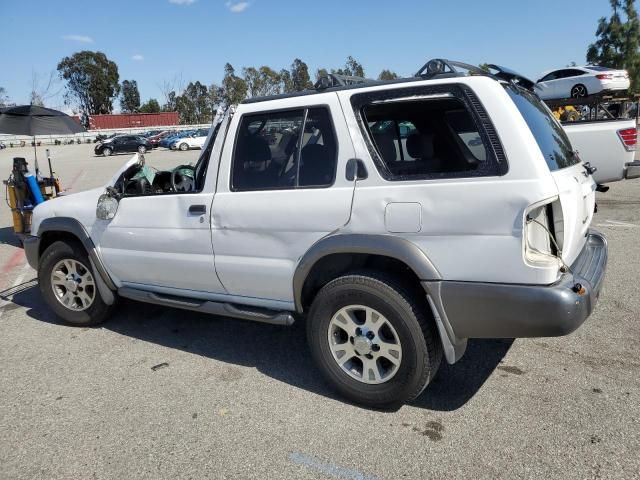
<point>397,219</point>
<point>607,145</point>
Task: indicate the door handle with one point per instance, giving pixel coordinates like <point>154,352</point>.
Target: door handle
<point>197,209</point>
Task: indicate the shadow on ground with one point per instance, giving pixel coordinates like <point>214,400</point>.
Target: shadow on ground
<point>9,237</point>
<point>279,352</point>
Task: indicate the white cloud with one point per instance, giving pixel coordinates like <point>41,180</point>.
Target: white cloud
<point>78,38</point>
<point>137,57</point>
<point>182,2</point>
<point>237,7</point>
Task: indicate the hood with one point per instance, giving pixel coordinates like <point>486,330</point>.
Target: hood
<point>81,206</point>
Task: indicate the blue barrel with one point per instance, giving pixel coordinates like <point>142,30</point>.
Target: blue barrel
<point>35,188</point>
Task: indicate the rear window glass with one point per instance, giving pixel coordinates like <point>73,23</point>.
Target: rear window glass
<point>422,138</point>
<point>549,134</point>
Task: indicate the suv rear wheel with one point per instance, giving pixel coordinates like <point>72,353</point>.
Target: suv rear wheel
<point>68,285</point>
<point>371,336</point>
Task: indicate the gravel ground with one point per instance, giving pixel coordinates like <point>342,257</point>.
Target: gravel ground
<point>160,393</point>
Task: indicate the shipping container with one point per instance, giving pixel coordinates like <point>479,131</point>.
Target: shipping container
<point>132,120</point>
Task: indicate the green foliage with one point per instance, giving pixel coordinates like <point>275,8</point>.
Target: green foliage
<point>234,88</point>
<point>130,99</point>
<point>387,75</point>
<point>617,42</point>
<point>484,66</point>
<point>262,82</point>
<point>194,105</point>
<point>352,68</point>
<point>150,106</point>
<point>300,76</point>
<point>92,81</point>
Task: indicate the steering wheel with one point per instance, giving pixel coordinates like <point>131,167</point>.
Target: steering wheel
<point>182,181</point>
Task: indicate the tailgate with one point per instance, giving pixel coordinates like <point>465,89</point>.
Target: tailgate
<point>601,144</point>
<point>577,195</point>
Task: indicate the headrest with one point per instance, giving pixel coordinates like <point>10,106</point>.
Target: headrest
<point>386,147</point>
<point>316,165</point>
<point>256,149</point>
<point>420,145</point>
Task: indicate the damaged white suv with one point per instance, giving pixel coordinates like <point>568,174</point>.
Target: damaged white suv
<point>398,219</point>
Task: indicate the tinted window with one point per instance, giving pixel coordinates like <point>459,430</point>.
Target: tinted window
<point>549,134</point>
<point>549,76</point>
<point>280,150</point>
<point>427,138</point>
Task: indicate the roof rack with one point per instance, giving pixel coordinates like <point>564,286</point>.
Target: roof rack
<point>334,80</point>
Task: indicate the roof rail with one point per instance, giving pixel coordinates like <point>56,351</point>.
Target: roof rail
<point>334,80</point>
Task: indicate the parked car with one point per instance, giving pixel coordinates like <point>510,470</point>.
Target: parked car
<point>168,140</point>
<point>395,250</point>
<point>123,143</point>
<point>195,140</point>
<point>155,139</point>
<point>101,137</point>
<point>578,82</point>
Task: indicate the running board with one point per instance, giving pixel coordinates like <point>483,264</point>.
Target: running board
<point>213,308</point>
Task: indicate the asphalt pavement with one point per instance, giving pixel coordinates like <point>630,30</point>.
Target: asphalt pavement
<point>159,393</point>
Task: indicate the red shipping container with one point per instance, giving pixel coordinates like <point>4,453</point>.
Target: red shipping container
<point>132,120</point>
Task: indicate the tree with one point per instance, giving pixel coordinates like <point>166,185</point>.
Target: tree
<point>194,104</point>
<point>352,68</point>
<point>4,98</point>
<point>234,87</point>
<point>300,76</point>
<point>617,42</point>
<point>130,100</point>
<point>170,101</point>
<point>286,82</point>
<point>321,72</point>
<point>485,67</point>
<point>92,81</point>
<point>150,106</point>
<point>43,90</point>
<point>387,75</point>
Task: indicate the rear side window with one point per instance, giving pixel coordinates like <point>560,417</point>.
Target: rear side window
<point>549,134</point>
<point>428,137</point>
<point>285,150</point>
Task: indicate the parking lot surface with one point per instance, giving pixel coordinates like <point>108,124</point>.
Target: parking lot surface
<point>161,393</point>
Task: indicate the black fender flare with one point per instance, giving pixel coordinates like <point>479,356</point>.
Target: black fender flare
<point>373,244</point>
<point>75,228</point>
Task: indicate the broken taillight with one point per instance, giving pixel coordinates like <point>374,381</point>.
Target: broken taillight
<point>629,138</point>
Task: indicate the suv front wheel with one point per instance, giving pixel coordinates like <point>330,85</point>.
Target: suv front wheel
<point>372,337</point>
<point>68,285</point>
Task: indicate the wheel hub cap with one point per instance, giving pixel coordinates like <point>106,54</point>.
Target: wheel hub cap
<point>73,284</point>
<point>362,345</point>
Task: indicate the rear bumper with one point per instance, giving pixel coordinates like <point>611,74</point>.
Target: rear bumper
<point>490,310</point>
<point>633,170</point>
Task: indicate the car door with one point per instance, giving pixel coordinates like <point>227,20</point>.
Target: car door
<point>162,242</point>
<point>547,86</point>
<point>281,188</point>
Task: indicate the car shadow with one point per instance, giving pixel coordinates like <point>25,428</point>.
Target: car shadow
<point>9,237</point>
<point>279,352</point>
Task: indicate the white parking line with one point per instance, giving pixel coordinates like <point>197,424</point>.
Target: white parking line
<point>616,223</point>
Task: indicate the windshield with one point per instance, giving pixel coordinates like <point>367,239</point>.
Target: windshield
<point>549,134</point>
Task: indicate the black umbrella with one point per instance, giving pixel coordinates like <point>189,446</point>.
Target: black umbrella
<point>33,120</point>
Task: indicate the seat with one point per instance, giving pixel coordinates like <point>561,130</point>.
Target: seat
<point>317,166</point>
<point>421,147</point>
<point>386,147</point>
<point>251,164</point>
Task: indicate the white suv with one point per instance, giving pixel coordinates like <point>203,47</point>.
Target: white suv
<point>397,219</point>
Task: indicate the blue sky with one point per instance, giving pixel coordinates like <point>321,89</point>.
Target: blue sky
<point>154,41</point>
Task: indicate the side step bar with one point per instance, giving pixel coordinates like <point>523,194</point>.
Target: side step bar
<point>214,308</point>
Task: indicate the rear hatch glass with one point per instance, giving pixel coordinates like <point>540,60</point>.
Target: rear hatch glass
<point>576,188</point>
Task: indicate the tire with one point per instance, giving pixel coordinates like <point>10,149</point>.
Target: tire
<point>183,147</point>
<point>107,152</point>
<point>58,256</point>
<point>578,91</point>
<point>408,325</point>
<point>142,149</point>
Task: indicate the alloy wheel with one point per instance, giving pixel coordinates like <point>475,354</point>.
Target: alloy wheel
<point>364,344</point>
<point>73,284</point>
